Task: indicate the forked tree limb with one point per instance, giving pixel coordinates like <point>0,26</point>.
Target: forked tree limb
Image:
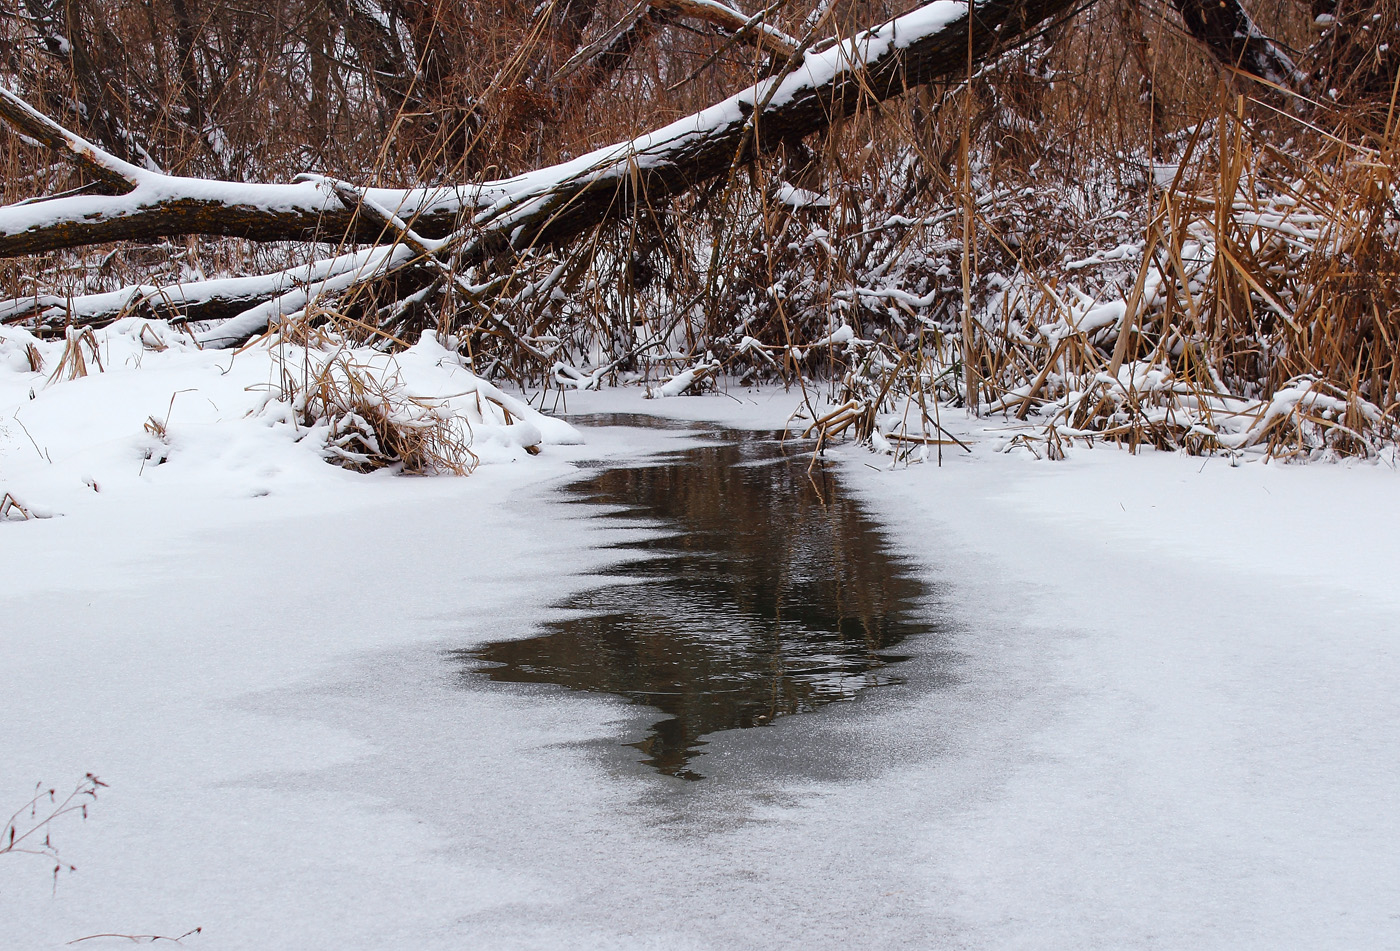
<point>587,55</point>
<point>69,32</point>
<point>554,204</point>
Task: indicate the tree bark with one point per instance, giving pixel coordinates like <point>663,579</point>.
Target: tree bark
<point>1235,40</point>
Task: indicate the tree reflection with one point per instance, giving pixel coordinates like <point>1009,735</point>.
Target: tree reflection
<point>771,594</point>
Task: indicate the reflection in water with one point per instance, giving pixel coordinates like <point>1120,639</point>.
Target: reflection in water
<point>771,594</point>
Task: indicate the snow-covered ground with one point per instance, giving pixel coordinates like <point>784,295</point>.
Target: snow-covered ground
<point>1163,709</point>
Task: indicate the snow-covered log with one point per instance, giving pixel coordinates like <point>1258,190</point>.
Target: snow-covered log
<point>152,206</point>
<point>556,203</point>
<point>216,299</point>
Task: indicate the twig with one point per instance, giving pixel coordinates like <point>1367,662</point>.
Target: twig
<point>140,938</point>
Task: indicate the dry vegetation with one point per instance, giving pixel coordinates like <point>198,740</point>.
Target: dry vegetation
<point>29,831</point>
<point>1109,231</point>
<point>364,417</point>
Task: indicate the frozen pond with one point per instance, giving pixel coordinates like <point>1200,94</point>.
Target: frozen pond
<point>760,590</point>
<point>1143,715</point>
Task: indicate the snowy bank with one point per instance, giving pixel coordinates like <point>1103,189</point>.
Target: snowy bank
<point>139,407</point>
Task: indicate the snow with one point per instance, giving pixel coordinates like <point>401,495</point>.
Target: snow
<point>794,197</point>
<point>155,413</point>
<point>1162,708</point>
<point>1210,656</point>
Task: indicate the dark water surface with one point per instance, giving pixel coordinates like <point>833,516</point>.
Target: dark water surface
<point>765,592</point>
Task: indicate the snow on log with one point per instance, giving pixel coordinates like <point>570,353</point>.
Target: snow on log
<point>216,299</point>
<point>97,163</point>
<point>556,203</point>
<point>255,319</point>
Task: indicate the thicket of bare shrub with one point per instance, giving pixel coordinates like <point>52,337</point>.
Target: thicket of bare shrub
<point>1109,231</point>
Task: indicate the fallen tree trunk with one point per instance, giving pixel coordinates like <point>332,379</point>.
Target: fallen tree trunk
<point>1230,34</point>
<point>554,204</point>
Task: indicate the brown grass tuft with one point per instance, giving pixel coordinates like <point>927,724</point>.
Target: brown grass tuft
<point>369,422</point>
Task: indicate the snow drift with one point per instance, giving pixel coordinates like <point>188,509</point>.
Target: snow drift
<point>104,413</point>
